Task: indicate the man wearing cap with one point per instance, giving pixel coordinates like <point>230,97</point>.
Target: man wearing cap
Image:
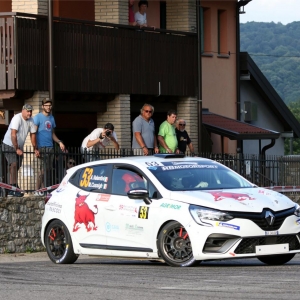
<point>13,143</point>
<point>45,124</point>
<point>98,139</point>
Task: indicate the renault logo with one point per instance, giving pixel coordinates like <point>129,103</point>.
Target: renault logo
<point>270,218</point>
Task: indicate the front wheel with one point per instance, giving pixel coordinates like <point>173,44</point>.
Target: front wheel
<point>175,247</point>
<point>276,260</point>
<point>58,243</point>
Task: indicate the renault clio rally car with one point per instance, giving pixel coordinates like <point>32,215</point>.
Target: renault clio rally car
<point>181,210</point>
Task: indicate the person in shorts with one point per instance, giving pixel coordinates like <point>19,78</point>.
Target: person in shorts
<point>45,125</point>
<point>13,143</point>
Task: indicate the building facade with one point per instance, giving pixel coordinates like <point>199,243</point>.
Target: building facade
<point>105,70</point>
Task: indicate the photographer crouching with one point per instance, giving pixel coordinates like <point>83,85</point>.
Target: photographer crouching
<point>98,139</point>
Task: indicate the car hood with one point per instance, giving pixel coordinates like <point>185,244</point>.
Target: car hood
<point>247,200</point>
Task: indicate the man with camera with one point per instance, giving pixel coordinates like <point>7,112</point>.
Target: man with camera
<point>98,139</point>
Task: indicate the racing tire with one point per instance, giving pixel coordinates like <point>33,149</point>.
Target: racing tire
<point>175,247</point>
<point>276,260</point>
<point>58,243</point>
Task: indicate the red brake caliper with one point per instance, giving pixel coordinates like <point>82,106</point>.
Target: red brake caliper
<point>180,234</point>
<point>53,235</point>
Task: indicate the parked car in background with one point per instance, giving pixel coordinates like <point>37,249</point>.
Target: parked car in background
<point>181,210</point>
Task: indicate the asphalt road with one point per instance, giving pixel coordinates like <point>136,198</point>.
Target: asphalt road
<point>33,276</point>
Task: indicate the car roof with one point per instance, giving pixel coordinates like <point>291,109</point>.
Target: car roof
<point>140,160</point>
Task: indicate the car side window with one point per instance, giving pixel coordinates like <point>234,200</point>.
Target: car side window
<point>124,180</point>
<point>93,179</point>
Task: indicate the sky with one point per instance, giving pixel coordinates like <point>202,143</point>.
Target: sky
<point>283,11</point>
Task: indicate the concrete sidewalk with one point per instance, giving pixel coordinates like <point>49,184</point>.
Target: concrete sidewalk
<point>23,257</point>
<point>28,257</point>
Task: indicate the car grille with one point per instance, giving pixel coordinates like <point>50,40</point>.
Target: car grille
<point>260,220</point>
<point>247,245</point>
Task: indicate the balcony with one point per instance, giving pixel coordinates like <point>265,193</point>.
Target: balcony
<point>97,58</point>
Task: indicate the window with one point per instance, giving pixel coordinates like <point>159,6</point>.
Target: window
<point>206,30</point>
<point>92,179</point>
<point>163,15</point>
<point>222,32</point>
<point>124,180</point>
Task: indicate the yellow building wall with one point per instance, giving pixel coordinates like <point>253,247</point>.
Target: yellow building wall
<point>219,92</point>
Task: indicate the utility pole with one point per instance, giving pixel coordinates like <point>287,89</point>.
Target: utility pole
<point>199,76</point>
<point>50,58</point>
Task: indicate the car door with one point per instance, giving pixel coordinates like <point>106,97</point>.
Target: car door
<point>91,194</point>
<point>129,223</point>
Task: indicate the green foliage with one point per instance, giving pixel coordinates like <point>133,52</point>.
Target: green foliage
<point>275,48</point>
<point>295,109</point>
<point>29,250</point>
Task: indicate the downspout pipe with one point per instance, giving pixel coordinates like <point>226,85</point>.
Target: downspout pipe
<point>265,180</point>
<point>265,148</point>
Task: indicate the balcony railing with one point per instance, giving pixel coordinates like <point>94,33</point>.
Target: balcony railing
<point>267,171</point>
<point>94,57</point>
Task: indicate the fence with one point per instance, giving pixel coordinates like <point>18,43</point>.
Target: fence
<point>48,170</point>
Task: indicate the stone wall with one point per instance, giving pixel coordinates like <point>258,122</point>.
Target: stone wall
<point>20,224</point>
<point>295,196</point>
<point>21,220</point>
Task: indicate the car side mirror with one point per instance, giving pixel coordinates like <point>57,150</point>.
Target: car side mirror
<point>139,194</point>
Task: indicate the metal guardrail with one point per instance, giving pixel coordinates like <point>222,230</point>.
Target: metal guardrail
<point>268,171</point>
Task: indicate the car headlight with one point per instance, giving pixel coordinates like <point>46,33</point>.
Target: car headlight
<point>202,214</point>
<point>297,210</point>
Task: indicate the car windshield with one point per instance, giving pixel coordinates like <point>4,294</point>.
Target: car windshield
<point>197,175</point>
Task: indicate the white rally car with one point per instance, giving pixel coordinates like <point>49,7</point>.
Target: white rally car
<point>182,210</point>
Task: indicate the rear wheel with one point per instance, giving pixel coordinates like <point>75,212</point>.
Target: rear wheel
<point>175,247</point>
<point>276,260</point>
<point>59,244</point>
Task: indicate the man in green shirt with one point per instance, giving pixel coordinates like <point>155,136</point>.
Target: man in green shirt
<point>166,135</point>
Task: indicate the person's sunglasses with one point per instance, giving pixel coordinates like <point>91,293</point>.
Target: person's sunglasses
<point>148,111</point>
<point>71,163</point>
<point>181,124</point>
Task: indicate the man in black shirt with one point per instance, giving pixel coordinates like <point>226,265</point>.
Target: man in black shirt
<point>183,137</point>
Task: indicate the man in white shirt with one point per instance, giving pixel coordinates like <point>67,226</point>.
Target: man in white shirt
<point>13,143</point>
<point>140,16</point>
<point>98,139</point>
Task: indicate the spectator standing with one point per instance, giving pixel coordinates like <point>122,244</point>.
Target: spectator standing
<point>70,163</point>
<point>98,139</point>
<point>13,143</point>
<point>183,137</point>
<point>143,132</point>
<point>131,20</point>
<point>45,124</point>
<point>166,135</point>
<point>140,16</point>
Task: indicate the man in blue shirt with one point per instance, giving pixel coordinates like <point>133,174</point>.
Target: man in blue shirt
<point>45,136</point>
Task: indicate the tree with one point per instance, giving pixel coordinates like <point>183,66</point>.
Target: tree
<point>295,109</point>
